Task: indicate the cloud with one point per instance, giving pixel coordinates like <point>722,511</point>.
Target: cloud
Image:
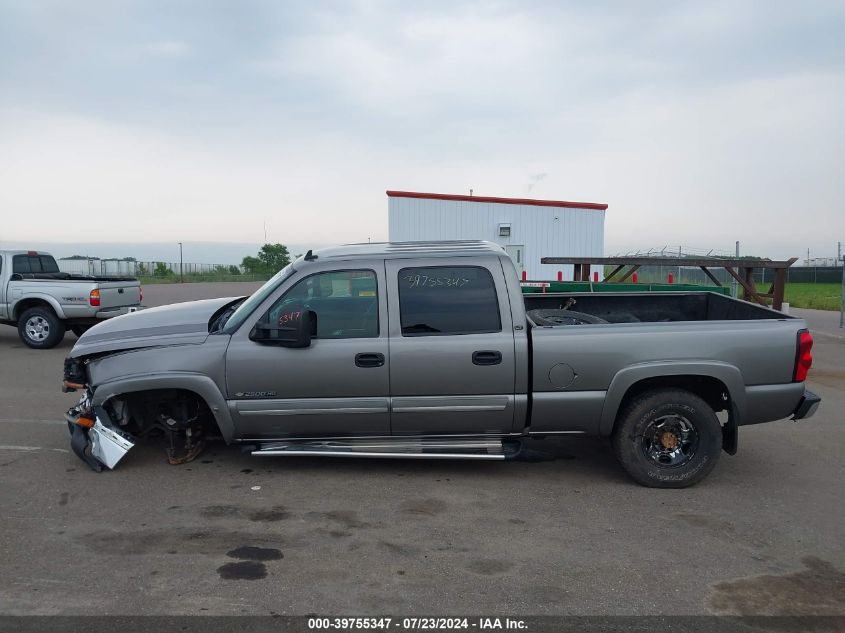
<point>169,49</point>
<point>698,124</point>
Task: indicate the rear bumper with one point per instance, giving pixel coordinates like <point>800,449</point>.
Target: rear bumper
<point>807,406</point>
<point>108,313</point>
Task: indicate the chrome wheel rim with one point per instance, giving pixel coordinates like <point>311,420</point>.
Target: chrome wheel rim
<point>37,328</point>
<point>669,441</point>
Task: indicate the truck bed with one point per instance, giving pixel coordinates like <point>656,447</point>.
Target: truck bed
<point>575,367</point>
<point>657,307</point>
<point>66,277</point>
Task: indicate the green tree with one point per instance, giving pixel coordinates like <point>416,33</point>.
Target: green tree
<point>234,270</point>
<point>161,270</point>
<point>274,257</point>
<point>271,259</point>
<point>253,265</point>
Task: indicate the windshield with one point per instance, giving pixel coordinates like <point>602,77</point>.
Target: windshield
<point>256,298</point>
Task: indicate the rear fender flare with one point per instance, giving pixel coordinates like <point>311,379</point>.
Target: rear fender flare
<point>727,374</point>
<point>200,384</point>
<point>38,298</point>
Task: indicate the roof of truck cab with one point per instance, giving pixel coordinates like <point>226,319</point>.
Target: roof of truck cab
<point>390,250</point>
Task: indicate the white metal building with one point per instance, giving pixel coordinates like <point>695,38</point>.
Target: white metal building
<point>527,229</point>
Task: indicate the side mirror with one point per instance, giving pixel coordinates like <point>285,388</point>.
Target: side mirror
<point>295,328</point>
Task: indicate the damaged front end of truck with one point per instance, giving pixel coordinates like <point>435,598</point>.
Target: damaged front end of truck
<point>138,382</point>
<point>94,437</point>
<point>103,432</point>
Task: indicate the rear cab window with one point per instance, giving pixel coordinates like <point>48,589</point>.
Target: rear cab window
<point>27,264</point>
<point>448,300</point>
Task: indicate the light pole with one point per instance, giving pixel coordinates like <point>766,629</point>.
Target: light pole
<point>842,305</point>
<point>181,276</point>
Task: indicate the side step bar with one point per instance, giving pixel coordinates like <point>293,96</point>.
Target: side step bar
<point>398,448</point>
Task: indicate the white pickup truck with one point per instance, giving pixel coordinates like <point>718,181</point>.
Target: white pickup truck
<point>44,303</point>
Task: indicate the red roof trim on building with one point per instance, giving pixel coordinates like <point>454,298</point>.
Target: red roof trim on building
<point>537,203</point>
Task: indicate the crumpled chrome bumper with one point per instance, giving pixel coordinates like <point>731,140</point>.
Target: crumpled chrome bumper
<point>98,445</point>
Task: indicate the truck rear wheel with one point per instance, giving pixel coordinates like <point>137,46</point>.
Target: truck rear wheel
<point>40,328</point>
<point>667,439</point>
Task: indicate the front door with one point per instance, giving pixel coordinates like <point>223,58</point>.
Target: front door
<point>452,365</point>
<point>339,385</point>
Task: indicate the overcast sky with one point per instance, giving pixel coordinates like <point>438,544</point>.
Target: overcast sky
<point>698,123</point>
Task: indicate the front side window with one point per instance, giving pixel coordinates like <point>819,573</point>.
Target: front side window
<point>448,300</point>
<point>345,302</point>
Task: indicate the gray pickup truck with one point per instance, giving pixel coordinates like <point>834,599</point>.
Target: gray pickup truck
<point>43,302</point>
<point>430,350</point>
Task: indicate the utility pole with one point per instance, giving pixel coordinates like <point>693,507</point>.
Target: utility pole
<point>842,304</point>
<point>181,276</point>
<point>679,268</point>
<point>734,289</point>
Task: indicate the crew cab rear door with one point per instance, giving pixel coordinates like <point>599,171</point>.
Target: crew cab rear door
<point>452,360</point>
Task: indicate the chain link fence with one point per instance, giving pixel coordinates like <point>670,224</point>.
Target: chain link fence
<point>156,271</point>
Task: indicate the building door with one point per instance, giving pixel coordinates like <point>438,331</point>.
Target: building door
<point>517,254</point>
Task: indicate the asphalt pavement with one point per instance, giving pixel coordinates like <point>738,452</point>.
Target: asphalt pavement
<point>234,534</point>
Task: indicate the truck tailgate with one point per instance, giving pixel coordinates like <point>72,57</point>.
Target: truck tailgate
<point>119,294</point>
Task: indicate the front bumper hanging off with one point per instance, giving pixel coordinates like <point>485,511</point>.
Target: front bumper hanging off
<point>98,444</point>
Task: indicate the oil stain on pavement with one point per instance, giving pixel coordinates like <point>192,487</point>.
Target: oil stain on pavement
<point>251,564</point>
<point>817,590</point>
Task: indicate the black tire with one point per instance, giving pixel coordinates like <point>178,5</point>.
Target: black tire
<point>667,438</point>
<point>40,328</point>
<point>563,317</point>
<point>79,330</point>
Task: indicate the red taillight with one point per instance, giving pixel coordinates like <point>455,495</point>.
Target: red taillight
<point>803,357</point>
<point>140,294</point>
<point>94,297</point>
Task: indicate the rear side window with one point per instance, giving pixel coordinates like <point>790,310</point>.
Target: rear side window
<point>25,264</point>
<point>448,300</point>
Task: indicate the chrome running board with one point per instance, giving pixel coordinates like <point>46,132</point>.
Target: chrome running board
<point>398,448</point>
